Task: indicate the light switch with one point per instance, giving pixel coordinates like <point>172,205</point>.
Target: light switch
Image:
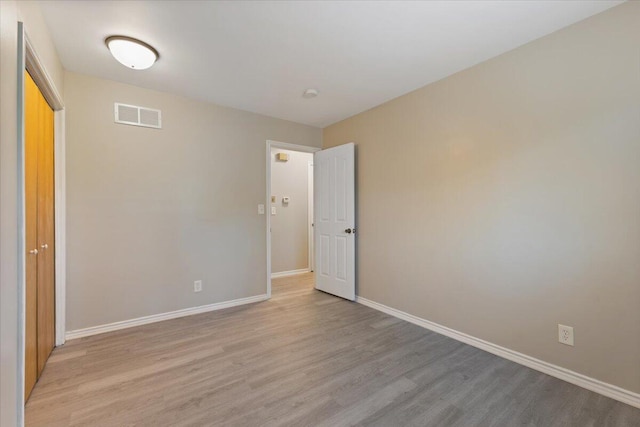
<point>285,199</point>
<point>273,210</point>
<point>260,209</point>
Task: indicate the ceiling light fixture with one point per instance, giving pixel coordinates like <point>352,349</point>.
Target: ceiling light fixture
<point>310,93</point>
<point>132,53</point>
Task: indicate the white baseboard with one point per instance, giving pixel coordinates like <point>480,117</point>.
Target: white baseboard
<point>605,389</point>
<point>100,329</point>
<point>289,273</point>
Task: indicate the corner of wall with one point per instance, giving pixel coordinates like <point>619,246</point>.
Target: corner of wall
<point>39,35</point>
<point>10,401</point>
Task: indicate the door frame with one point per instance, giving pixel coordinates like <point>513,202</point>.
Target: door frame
<point>29,60</point>
<point>38,72</point>
<point>285,146</point>
<point>312,260</point>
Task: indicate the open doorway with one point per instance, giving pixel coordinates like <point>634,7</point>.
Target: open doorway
<point>289,210</point>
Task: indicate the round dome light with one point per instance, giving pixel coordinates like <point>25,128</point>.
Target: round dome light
<point>132,53</point>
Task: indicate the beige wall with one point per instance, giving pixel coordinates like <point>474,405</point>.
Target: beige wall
<point>150,211</point>
<point>289,227</point>
<point>10,13</point>
<point>505,199</point>
<point>9,354</point>
<point>38,33</point>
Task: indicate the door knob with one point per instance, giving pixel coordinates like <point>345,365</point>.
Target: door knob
<point>348,231</point>
<point>45,246</point>
<point>33,252</point>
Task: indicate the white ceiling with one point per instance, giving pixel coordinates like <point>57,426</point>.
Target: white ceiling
<point>261,56</point>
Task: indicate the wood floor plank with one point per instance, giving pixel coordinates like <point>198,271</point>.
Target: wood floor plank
<point>303,358</point>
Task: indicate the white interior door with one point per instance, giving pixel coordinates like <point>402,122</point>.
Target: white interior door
<point>334,220</point>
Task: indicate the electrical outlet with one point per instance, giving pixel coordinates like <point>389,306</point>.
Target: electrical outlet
<point>565,334</point>
<point>260,209</point>
<point>197,286</point>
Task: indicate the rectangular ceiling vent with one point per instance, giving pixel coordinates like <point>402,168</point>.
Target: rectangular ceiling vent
<point>138,116</point>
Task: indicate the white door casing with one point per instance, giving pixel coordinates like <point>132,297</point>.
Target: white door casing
<point>310,215</point>
<point>334,220</point>
<point>285,146</point>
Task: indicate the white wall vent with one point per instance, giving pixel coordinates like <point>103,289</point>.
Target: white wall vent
<point>137,116</point>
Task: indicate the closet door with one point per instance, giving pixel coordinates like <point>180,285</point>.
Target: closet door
<point>31,132</point>
<point>40,245</point>
<point>46,246</point>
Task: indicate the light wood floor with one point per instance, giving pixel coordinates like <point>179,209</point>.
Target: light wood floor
<point>304,358</point>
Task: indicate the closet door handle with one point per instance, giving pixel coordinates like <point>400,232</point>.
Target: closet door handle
<point>33,252</point>
<point>45,246</point>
